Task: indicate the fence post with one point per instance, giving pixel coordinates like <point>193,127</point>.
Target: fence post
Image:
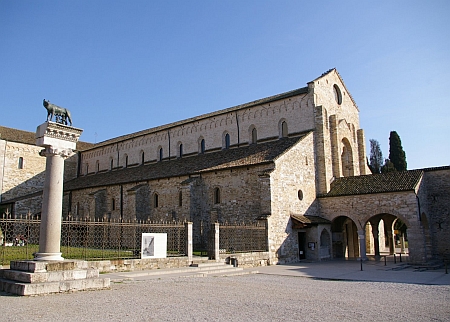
<point>188,227</point>
<point>213,245</point>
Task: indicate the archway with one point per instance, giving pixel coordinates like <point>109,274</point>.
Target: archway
<point>384,233</point>
<point>347,159</point>
<point>344,238</point>
<point>325,245</point>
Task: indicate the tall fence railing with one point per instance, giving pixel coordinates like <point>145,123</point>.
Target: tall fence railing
<point>244,237</point>
<point>87,239</point>
<point>108,239</point>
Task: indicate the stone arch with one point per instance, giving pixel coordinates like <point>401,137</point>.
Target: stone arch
<point>347,159</point>
<point>325,245</point>
<point>344,238</point>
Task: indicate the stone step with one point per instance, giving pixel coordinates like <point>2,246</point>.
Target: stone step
<point>27,289</point>
<point>52,276</point>
<point>208,264</point>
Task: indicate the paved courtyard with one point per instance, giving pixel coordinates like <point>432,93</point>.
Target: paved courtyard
<point>277,293</point>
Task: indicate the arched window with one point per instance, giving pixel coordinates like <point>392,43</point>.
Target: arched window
<point>126,161</point>
<point>155,200</point>
<point>97,166</point>
<point>160,154</point>
<point>142,157</point>
<point>20,165</point>
<point>180,150</point>
<point>337,94</point>
<point>226,141</point>
<point>216,195</point>
<point>113,204</point>
<point>180,198</point>
<point>202,146</point>
<point>87,168</point>
<point>111,166</point>
<point>284,130</point>
<point>254,136</point>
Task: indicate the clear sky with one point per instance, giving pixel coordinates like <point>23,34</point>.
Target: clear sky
<point>124,66</point>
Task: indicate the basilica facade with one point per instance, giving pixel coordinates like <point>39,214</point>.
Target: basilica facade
<point>296,160</point>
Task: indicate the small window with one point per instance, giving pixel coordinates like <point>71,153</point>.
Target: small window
<point>216,195</point>
<point>300,195</point>
<point>20,165</point>
<point>113,204</point>
<point>142,157</point>
<point>160,153</point>
<point>111,166</point>
<point>180,199</point>
<point>254,136</point>
<point>202,146</point>
<point>126,161</point>
<point>284,130</point>
<point>155,200</point>
<point>227,141</point>
<point>337,94</point>
<point>180,150</point>
<point>98,166</point>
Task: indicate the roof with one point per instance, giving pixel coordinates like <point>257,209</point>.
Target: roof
<point>310,220</point>
<point>255,154</point>
<point>295,92</point>
<point>342,81</point>
<point>375,183</point>
<point>26,137</point>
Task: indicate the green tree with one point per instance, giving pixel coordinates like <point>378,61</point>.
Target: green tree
<point>376,156</point>
<point>388,166</point>
<point>396,154</point>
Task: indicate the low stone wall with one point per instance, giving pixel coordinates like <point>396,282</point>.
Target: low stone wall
<point>247,260</point>
<point>123,265</point>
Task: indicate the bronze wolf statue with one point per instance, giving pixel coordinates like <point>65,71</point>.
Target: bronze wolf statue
<point>62,115</point>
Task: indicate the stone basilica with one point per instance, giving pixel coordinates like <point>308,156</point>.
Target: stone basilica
<point>296,160</point>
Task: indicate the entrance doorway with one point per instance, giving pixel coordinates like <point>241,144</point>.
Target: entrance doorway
<point>302,245</point>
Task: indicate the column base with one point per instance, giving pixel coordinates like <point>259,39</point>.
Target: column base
<point>48,257</point>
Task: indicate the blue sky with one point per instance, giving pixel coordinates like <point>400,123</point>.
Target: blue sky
<point>125,66</point>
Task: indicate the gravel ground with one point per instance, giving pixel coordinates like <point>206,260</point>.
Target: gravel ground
<point>254,297</point>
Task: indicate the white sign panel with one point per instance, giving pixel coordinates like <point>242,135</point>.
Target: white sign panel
<point>154,245</point>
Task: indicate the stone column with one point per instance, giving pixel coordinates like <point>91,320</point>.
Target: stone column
<point>362,244</point>
<point>376,241</point>
<point>189,239</point>
<point>59,142</point>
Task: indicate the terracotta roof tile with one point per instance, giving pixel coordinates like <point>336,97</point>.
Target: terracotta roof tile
<point>375,183</point>
<point>190,165</point>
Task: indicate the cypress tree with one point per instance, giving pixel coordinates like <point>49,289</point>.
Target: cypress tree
<point>376,157</point>
<point>396,154</point>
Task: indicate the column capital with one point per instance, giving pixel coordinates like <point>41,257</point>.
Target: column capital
<point>57,136</point>
<point>51,151</point>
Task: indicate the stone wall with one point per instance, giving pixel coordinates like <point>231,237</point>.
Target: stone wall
<point>293,191</point>
<point>361,208</point>
<point>434,197</point>
<point>20,180</point>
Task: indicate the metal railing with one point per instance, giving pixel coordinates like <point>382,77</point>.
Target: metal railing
<point>244,237</point>
<point>87,239</point>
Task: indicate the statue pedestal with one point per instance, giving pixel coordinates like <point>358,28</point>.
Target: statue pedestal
<point>59,142</point>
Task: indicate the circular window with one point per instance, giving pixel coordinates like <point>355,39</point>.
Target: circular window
<point>337,94</point>
<point>300,195</point>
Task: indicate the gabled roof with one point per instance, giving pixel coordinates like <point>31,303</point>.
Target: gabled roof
<point>375,183</point>
<point>342,81</point>
<point>295,92</point>
<point>255,154</point>
<point>25,137</point>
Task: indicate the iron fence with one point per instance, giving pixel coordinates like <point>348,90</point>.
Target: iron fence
<point>245,237</point>
<point>87,239</point>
